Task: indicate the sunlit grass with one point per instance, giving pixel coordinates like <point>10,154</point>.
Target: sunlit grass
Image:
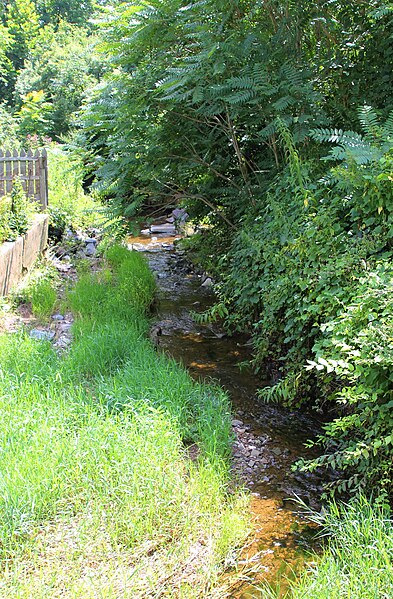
<point>357,562</point>
<point>96,491</point>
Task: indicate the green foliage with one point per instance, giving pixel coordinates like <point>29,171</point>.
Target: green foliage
<point>69,206</point>
<point>302,275</point>
<point>195,114</point>
<point>39,288</point>
<point>33,114</point>
<point>8,130</point>
<point>356,348</point>
<point>43,299</point>
<point>357,563</point>
<point>20,27</point>
<point>16,213</point>
<point>52,81</point>
<point>185,116</point>
<point>55,11</point>
<point>104,425</point>
<point>61,68</point>
<point>134,286</point>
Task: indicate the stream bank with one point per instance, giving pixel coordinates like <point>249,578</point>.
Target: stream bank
<point>267,439</point>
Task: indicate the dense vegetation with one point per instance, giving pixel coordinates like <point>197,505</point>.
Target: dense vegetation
<point>46,67</point>
<point>16,214</point>
<point>93,454</point>
<point>272,123</point>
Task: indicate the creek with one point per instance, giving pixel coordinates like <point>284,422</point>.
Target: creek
<point>268,438</point>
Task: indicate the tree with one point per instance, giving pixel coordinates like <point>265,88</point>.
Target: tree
<point>20,27</point>
<point>63,65</point>
<point>55,11</point>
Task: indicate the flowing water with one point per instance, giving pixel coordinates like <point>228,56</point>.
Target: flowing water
<point>269,439</point>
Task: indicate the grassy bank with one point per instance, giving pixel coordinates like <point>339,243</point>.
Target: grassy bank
<point>358,560</point>
<point>98,497</point>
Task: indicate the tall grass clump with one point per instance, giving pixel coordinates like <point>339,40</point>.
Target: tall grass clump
<point>39,288</point>
<point>358,562</point>
<point>110,331</point>
<point>93,458</point>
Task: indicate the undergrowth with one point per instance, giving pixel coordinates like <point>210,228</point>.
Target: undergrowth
<point>70,207</point>
<point>359,561</point>
<point>93,459</point>
<point>39,288</point>
<point>309,275</point>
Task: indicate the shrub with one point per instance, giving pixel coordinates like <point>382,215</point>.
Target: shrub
<point>311,275</point>
<point>16,212</point>
<point>69,206</point>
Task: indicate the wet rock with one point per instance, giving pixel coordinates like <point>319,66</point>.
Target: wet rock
<point>63,342</point>
<point>277,451</point>
<point>155,334</point>
<point>91,246</point>
<point>207,282</point>
<point>138,247</point>
<point>58,317</point>
<point>166,228</point>
<point>41,335</point>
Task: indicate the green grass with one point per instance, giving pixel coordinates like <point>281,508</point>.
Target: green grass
<point>92,456</point>
<point>39,288</point>
<point>357,562</point>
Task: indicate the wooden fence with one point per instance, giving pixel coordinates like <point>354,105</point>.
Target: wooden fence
<point>30,168</point>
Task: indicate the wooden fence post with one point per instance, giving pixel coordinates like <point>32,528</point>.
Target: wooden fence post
<point>43,180</point>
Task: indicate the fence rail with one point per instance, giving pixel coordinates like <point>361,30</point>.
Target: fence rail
<point>30,168</point>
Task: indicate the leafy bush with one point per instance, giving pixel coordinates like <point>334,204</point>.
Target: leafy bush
<point>310,276</point>
<point>16,212</point>
<point>69,206</point>
<point>356,349</point>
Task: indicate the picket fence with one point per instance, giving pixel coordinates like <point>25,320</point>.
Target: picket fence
<point>30,168</point>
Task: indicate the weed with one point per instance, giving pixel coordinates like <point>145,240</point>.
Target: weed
<point>39,288</point>
<point>43,299</point>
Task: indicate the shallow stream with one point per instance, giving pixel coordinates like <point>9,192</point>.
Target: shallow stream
<point>269,439</point>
